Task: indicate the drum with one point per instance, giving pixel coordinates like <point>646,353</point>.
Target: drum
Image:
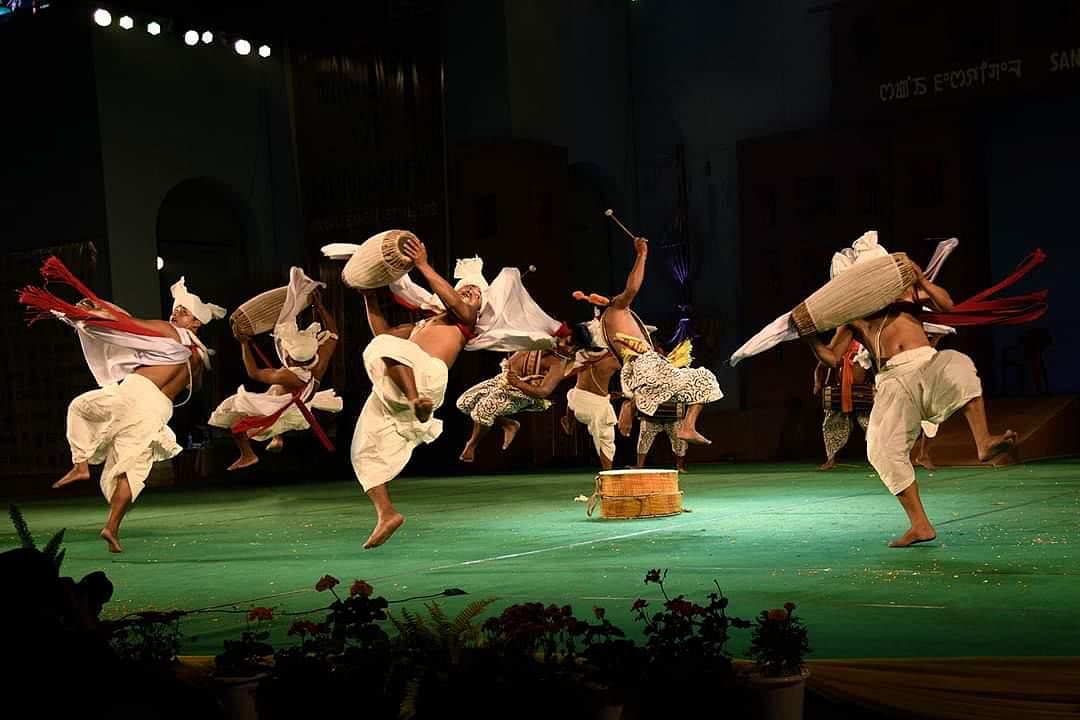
<point>636,493</point>
<point>665,413</point>
<point>860,291</point>
<point>379,261</point>
<point>862,398</point>
<point>259,314</point>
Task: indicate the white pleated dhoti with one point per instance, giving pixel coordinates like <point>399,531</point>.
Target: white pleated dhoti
<point>915,386</point>
<point>387,431</point>
<point>595,413</point>
<point>124,425</point>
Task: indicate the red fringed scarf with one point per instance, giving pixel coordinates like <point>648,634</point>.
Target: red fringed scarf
<point>261,422</point>
<point>847,404</point>
<point>979,310</point>
<point>44,302</point>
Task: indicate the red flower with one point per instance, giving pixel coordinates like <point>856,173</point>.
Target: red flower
<point>653,576</point>
<point>359,587</point>
<point>639,604</point>
<point>260,613</point>
<point>303,627</point>
<point>326,582</point>
<point>789,606</point>
<point>598,612</point>
<point>681,607</point>
<point>778,615</point>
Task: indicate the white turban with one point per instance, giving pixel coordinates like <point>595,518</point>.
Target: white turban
<point>863,249</point>
<point>470,271</point>
<point>300,345</point>
<point>203,312</point>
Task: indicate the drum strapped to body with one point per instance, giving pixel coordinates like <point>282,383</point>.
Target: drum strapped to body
<point>636,493</point>
<point>379,261</point>
<point>665,412</point>
<point>856,293</point>
<point>862,397</point>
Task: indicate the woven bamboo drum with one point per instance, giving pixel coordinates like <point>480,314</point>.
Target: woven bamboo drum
<point>860,291</point>
<point>636,493</point>
<point>259,314</point>
<point>665,412</point>
<point>379,261</point>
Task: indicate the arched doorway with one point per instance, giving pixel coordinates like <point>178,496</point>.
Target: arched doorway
<point>205,232</point>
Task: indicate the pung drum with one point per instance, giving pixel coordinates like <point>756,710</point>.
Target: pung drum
<point>668,412</point>
<point>636,493</point>
<point>379,261</point>
<point>862,398</point>
<point>862,290</point>
<point>259,314</point>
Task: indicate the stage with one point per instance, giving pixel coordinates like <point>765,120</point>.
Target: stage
<point>997,582</point>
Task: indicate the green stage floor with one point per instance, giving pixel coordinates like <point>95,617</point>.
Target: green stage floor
<point>1000,579</point>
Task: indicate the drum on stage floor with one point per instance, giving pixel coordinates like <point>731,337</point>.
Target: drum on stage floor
<point>636,493</point>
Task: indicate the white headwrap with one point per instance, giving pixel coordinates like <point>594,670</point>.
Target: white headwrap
<point>863,249</point>
<point>203,312</point>
<point>470,271</point>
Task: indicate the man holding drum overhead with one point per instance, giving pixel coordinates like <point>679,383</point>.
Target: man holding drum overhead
<point>648,379</point>
<point>914,382</point>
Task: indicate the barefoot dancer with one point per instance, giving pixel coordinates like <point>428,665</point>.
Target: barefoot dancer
<point>305,357</point>
<point>590,403</point>
<point>914,382</point>
<point>837,425</point>
<point>409,376</point>
<point>648,379</point>
<point>141,366</point>
<point>527,380</point>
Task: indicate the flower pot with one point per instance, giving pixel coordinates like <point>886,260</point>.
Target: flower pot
<point>238,696</point>
<point>777,698</point>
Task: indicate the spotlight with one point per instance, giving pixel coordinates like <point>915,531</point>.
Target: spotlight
<point>191,38</point>
<point>207,37</point>
<point>160,263</point>
<point>103,17</point>
<point>264,51</point>
<point>153,27</point>
<point>242,47</point>
<point>126,22</point>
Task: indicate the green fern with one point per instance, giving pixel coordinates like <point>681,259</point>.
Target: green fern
<point>442,622</point>
<point>52,549</point>
<point>21,528</point>
<point>53,546</point>
<point>407,709</point>
<point>463,622</point>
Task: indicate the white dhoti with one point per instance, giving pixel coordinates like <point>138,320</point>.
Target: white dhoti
<point>387,431</point>
<point>914,386</point>
<point>595,413</point>
<point>124,425</point>
<point>248,404</point>
<point>652,381</point>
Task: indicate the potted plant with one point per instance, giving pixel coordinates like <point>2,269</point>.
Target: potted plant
<point>778,681</point>
<point>243,664</point>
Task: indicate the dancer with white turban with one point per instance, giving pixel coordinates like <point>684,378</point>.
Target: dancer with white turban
<point>914,383</point>
<point>409,376</point>
<point>294,388</point>
<point>141,366</point>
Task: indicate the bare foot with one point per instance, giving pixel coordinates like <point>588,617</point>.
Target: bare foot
<point>111,540</point>
<point>693,437</point>
<point>510,429</point>
<point>423,408</point>
<point>467,454</point>
<point>828,464</point>
<point>77,472</point>
<point>926,463</point>
<point>244,461</point>
<point>567,423</point>
<point>276,445</point>
<point>913,537</point>
<point>681,468</point>
<point>383,530</point>
<point>997,445</point>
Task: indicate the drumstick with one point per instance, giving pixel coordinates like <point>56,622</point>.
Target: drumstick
<point>531,268</point>
<point>611,214</point>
